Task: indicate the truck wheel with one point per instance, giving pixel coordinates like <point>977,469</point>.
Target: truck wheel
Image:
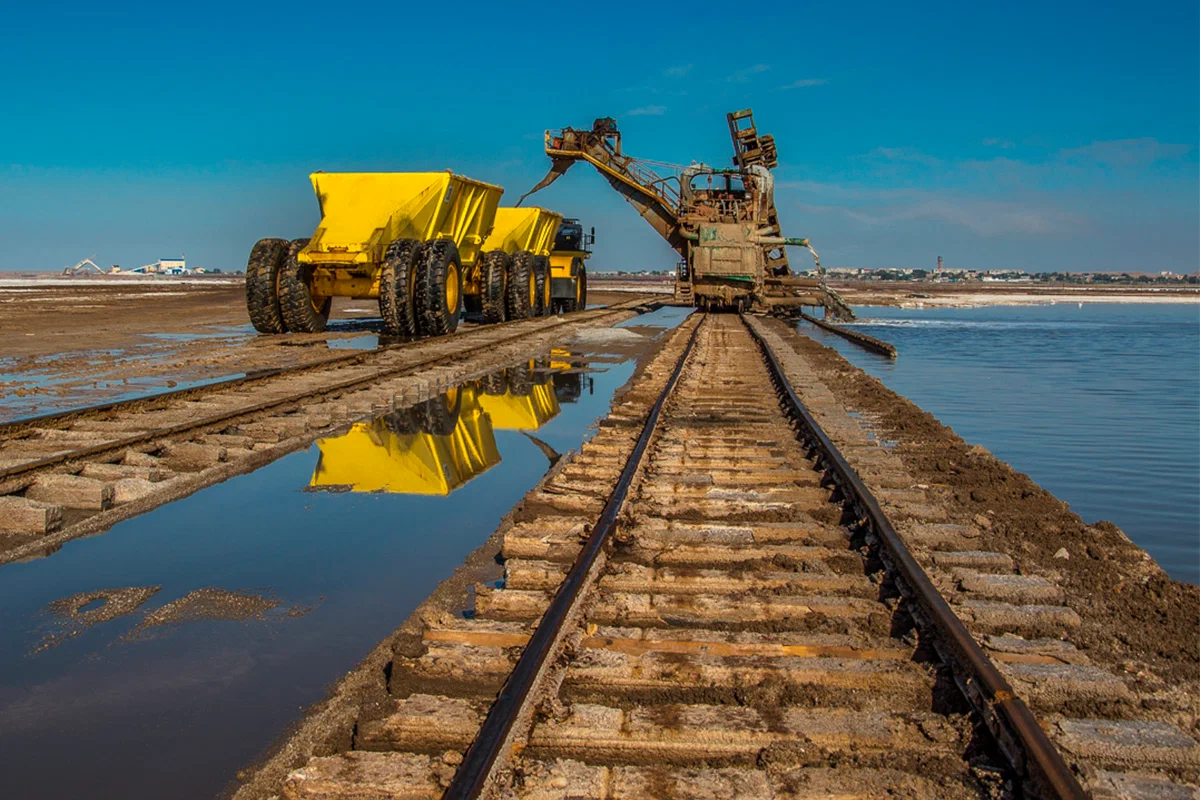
<point>522,286</point>
<point>520,380</point>
<point>541,274</point>
<point>493,272</point>
<point>439,416</point>
<point>495,383</point>
<point>302,310</point>
<point>581,289</point>
<point>401,422</point>
<point>262,285</point>
<point>397,282</point>
<point>439,289</point>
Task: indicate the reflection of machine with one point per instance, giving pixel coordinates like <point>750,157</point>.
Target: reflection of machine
<point>431,449</point>
<point>441,444</point>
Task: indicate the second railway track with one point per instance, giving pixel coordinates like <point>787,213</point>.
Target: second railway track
<point>77,472</point>
<point>736,618</point>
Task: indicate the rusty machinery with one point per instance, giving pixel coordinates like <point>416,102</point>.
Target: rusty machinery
<point>722,221</point>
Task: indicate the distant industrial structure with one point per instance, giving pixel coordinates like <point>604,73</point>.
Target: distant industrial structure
<point>164,266</point>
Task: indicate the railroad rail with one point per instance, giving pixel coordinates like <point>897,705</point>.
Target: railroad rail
<point>85,469</point>
<point>855,337</point>
<point>708,601</point>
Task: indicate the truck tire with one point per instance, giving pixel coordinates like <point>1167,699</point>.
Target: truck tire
<point>541,275</point>
<point>520,380</point>
<point>581,289</point>
<point>522,289</point>
<point>439,289</point>
<point>397,282</point>
<point>262,285</point>
<point>401,422</point>
<point>495,383</point>
<point>439,416</point>
<point>493,273</point>
<point>303,311</point>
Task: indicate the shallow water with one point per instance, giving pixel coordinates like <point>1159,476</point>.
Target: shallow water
<point>174,711</point>
<point>1099,404</point>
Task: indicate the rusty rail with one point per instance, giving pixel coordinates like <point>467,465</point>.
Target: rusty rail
<point>480,761</point>
<point>215,419</point>
<point>15,425</point>
<point>861,339</point>
<point>1024,743</point>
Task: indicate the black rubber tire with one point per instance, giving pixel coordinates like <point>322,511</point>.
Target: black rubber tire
<point>520,272</point>
<point>541,275</point>
<point>262,285</point>
<point>397,282</point>
<point>581,303</point>
<point>301,314</point>
<point>495,383</point>
<point>401,422</point>
<point>520,380</point>
<point>434,315</point>
<point>439,416</point>
<point>493,279</point>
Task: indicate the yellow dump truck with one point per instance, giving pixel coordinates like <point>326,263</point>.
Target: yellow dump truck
<point>439,445</point>
<point>568,272</point>
<point>513,276</point>
<point>410,239</point>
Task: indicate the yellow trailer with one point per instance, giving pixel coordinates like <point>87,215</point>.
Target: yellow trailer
<point>437,446</point>
<point>512,280</point>
<point>406,238</point>
<point>568,272</point>
<point>412,451</point>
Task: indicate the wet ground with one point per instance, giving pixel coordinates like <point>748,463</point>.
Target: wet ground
<point>240,604</point>
<point>1099,403</point>
<point>72,344</point>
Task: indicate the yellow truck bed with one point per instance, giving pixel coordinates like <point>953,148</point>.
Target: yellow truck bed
<point>362,212</point>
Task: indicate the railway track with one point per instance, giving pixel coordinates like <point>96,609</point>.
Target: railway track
<point>77,472</point>
<point>707,601</point>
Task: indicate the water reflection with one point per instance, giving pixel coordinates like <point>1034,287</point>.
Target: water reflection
<point>439,445</point>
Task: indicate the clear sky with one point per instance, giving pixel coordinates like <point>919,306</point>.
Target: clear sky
<point>1038,135</point>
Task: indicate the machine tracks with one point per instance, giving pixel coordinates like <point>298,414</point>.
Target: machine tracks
<point>77,472</point>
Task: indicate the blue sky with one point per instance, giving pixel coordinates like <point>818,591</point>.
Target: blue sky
<point>1034,135</point>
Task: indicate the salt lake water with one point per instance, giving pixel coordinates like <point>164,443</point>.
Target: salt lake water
<point>1100,403</point>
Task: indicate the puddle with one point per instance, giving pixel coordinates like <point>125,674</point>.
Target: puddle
<point>441,444</point>
<point>347,537</point>
<point>367,341</point>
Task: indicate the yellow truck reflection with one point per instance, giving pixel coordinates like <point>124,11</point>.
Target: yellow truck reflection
<point>439,445</point>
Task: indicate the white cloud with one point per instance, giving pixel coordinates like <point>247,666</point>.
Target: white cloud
<point>804,83</point>
<point>647,111</point>
<point>1003,144</point>
<point>1126,152</point>
<point>678,71</point>
<point>986,217</point>
<point>743,75</point>
<point>908,155</point>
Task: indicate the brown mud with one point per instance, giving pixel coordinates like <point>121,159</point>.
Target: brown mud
<point>75,614</point>
<point>1136,620</point>
<point>86,342</point>
<point>209,603</point>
